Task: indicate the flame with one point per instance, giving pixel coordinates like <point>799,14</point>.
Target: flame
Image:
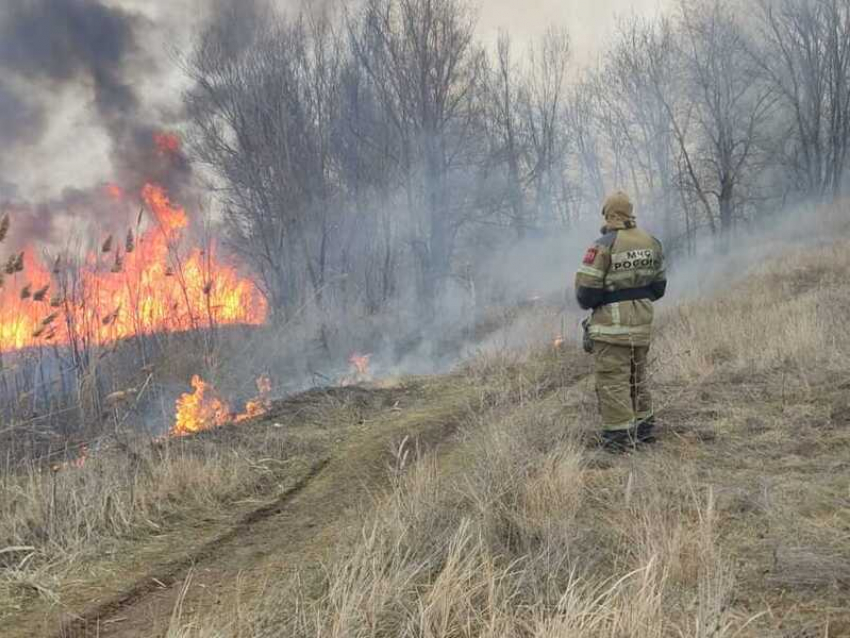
<point>559,343</point>
<point>114,191</point>
<point>360,363</point>
<point>167,143</point>
<point>199,410</point>
<point>78,462</point>
<point>130,287</point>
<point>170,218</point>
<point>259,405</point>
<point>202,409</point>
<point>21,317</point>
<point>360,372</point>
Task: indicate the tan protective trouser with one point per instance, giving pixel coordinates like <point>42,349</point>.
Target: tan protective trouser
<point>622,385</point>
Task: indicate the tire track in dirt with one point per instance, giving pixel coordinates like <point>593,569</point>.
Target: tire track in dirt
<point>175,571</point>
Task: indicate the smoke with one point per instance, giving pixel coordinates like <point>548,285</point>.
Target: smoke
<point>62,40</point>
<point>20,120</point>
<point>51,47</point>
<point>64,221</point>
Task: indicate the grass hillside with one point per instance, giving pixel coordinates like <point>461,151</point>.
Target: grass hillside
<point>737,524</point>
<point>475,504</point>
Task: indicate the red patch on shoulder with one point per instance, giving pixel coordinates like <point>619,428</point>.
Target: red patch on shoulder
<point>590,256</point>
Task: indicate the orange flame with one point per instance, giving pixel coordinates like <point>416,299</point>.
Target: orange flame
<point>167,143</point>
<point>171,219</point>
<point>360,372</point>
<point>199,410</point>
<point>114,191</point>
<point>77,463</point>
<point>360,363</point>
<point>261,404</point>
<point>202,409</point>
<point>140,286</point>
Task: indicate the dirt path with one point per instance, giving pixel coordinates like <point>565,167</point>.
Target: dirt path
<point>295,530</point>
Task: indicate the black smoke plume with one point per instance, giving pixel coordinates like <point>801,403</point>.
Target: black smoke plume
<point>47,46</point>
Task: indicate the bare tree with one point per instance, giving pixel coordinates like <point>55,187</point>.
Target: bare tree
<point>264,117</point>
<point>805,54</point>
<point>380,153</point>
<point>721,129</point>
<point>638,82</point>
<point>546,100</point>
<point>581,124</point>
<point>525,106</point>
<point>504,97</point>
<point>424,64</point>
<point>367,148</point>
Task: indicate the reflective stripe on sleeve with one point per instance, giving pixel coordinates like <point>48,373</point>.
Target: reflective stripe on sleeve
<point>642,272</point>
<point>591,272</point>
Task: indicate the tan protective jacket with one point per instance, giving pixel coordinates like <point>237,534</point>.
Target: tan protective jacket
<point>621,276</point>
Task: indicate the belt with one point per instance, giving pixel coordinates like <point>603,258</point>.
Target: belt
<point>629,294</point>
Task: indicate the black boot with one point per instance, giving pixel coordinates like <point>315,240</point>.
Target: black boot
<point>618,441</point>
<point>645,431</point>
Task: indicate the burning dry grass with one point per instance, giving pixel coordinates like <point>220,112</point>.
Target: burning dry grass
<point>81,334</point>
<point>145,286</point>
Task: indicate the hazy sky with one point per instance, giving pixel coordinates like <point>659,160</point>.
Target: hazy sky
<point>589,22</point>
<point>74,151</point>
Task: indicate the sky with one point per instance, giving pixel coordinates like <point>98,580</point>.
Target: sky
<point>590,23</point>
<point>75,151</point>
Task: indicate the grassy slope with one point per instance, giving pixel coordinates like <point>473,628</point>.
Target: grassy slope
<point>213,506</point>
<point>136,509</point>
<point>737,524</point>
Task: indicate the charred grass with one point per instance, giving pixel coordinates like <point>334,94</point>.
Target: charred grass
<point>736,524</point>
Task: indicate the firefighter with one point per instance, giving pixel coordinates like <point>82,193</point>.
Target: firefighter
<point>620,278</point>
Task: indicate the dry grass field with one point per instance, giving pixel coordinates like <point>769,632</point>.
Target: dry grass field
<point>737,524</point>
<point>475,504</point>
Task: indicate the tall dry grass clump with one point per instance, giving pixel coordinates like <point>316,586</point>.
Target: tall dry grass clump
<point>786,313</point>
<point>77,513</point>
